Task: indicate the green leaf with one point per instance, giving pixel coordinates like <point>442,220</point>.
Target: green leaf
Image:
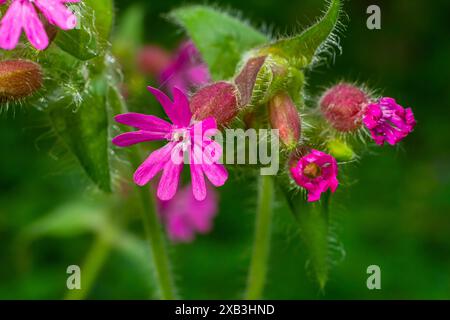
<point>303,48</point>
<point>81,42</point>
<point>315,226</point>
<point>84,130</point>
<point>103,16</point>
<point>220,38</point>
<point>69,220</point>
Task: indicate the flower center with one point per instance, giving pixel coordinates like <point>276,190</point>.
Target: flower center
<point>182,136</point>
<point>312,170</point>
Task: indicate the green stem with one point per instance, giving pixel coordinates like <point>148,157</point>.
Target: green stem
<point>260,255</point>
<point>158,248</point>
<point>91,267</point>
<point>155,237</point>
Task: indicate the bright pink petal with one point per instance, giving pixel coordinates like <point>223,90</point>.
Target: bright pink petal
<point>153,164</point>
<point>206,127</point>
<point>182,110</point>
<point>144,122</point>
<point>33,27</point>
<point>168,184</point>
<point>57,13</point>
<point>165,102</point>
<point>179,228</point>
<point>197,177</point>
<point>216,173</point>
<point>11,26</point>
<point>130,138</point>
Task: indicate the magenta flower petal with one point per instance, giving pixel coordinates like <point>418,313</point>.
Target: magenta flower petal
<point>187,69</point>
<point>165,103</point>
<point>179,228</point>
<point>130,138</point>
<point>144,122</point>
<point>184,216</point>
<point>316,172</point>
<point>181,105</point>
<point>22,14</point>
<point>34,29</point>
<point>388,122</point>
<point>168,184</point>
<point>216,173</point>
<point>197,176</point>
<point>57,14</point>
<point>206,127</point>
<point>153,164</point>
<point>11,26</point>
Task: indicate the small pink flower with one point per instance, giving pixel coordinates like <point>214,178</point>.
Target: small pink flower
<point>388,121</point>
<point>22,14</point>
<point>316,172</point>
<point>187,69</point>
<point>184,215</point>
<point>185,137</point>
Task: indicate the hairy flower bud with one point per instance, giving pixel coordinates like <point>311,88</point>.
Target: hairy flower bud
<point>19,79</point>
<point>342,106</point>
<point>152,60</point>
<point>219,100</point>
<point>283,116</point>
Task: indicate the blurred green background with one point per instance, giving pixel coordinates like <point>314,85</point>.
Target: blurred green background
<point>395,212</point>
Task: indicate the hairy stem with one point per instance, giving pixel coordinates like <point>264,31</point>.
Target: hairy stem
<point>158,247</point>
<point>93,263</point>
<point>154,235</point>
<point>260,255</point>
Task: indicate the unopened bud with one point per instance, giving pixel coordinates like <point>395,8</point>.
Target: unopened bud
<point>342,106</point>
<point>218,100</point>
<point>152,60</point>
<point>19,79</point>
<point>283,115</point>
<point>246,80</point>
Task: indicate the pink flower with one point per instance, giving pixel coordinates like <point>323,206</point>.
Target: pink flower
<point>388,121</point>
<point>22,14</point>
<point>184,136</point>
<point>187,69</point>
<point>316,172</point>
<point>184,215</point>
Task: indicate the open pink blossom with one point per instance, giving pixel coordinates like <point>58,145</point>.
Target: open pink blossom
<point>184,216</point>
<point>316,172</point>
<point>187,69</point>
<point>388,121</point>
<point>22,14</point>
<point>185,137</point>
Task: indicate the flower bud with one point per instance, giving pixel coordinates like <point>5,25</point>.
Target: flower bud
<point>218,100</point>
<point>246,80</point>
<point>342,106</point>
<point>152,60</point>
<point>283,116</point>
<point>19,79</point>
<point>340,150</point>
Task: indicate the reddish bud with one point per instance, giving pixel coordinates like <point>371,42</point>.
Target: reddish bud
<point>19,79</point>
<point>152,60</point>
<point>342,106</point>
<point>246,79</point>
<point>283,115</point>
<point>218,100</point>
